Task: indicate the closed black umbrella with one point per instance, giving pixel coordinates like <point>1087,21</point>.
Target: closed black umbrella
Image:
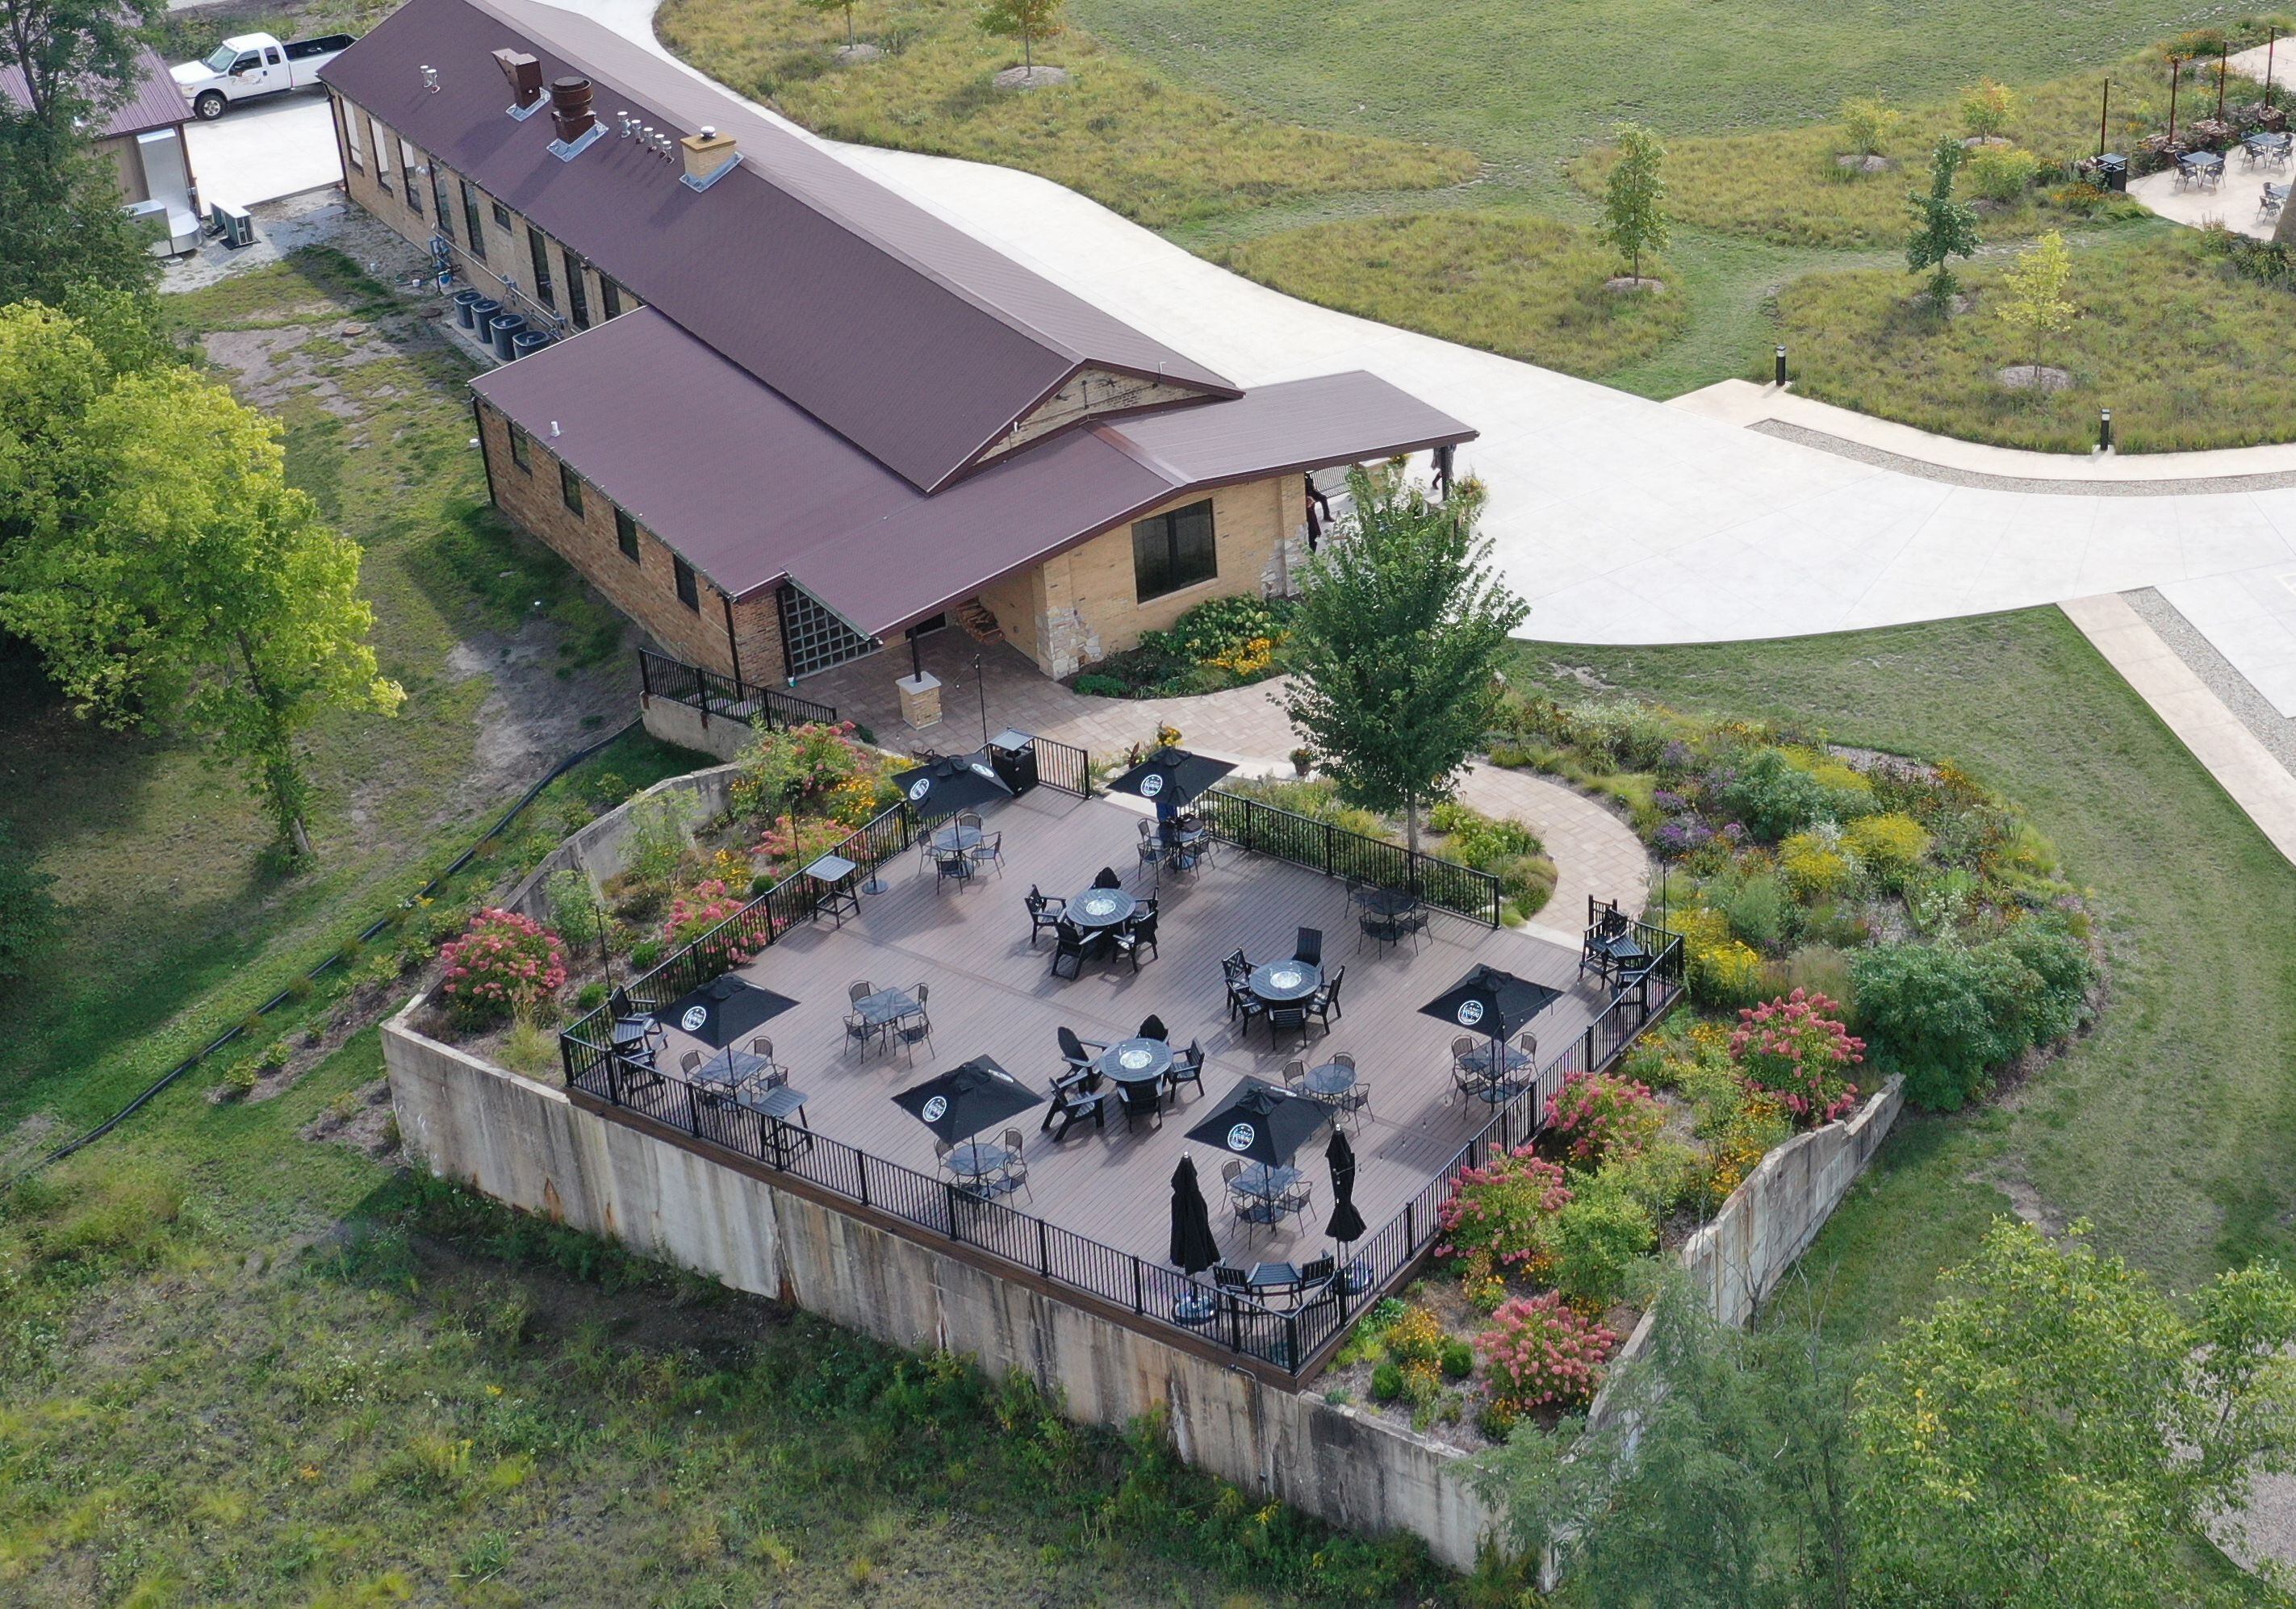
<point>1170,777</point>
<point>722,1010</point>
<point>1261,1123</point>
<point>1194,1249</point>
<point>1346,1224</point>
<point>959,1104</point>
<point>1490,1001</point>
<point>947,786</point>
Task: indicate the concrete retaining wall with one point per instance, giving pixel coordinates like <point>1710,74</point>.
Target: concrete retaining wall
<point>683,724</point>
<point>525,1143</point>
<point>602,847</point>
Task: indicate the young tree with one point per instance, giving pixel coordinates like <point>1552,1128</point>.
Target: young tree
<point>2056,1432</point>
<point>1985,109</point>
<point>1027,21</point>
<point>1943,227</point>
<point>1634,199</point>
<point>2035,282</point>
<point>166,570</point>
<point>838,5</point>
<point>1397,637</point>
<point>1868,122</point>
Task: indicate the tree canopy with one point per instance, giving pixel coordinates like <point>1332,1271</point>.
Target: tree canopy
<point>1397,639</point>
<point>1634,198</point>
<point>1027,21</point>
<point>1943,227</point>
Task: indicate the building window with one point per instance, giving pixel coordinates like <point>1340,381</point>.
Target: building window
<point>354,147</point>
<point>501,217</point>
<point>813,638</point>
<point>381,152</point>
<point>610,295</point>
<point>626,532</point>
<point>407,165</point>
<point>471,222</point>
<point>577,292</point>
<point>538,248</point>
<point>1174,550</point>
<point>688,594</point>
<point>521,450</point>
<point>440,216</point>
<point>570,487</point>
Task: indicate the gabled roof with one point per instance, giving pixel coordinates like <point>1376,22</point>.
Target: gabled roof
<point>751,491</point>
<point>155,104</point>
<point>911,339</point>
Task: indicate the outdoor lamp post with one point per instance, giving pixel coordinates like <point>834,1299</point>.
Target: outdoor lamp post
<point>1782,365</point>
<point>981,687</point>
<point>2104,430</point>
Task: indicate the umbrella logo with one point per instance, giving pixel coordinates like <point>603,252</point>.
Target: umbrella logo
<point>1470,1011</point>
<point>694,1019</point>
<point>1150,786</point>
<point>1239,1137</point>
<point>920,788</point>
<point>935,1109</point>
<point>980,770</point>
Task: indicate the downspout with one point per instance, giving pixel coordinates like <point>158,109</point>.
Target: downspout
<point>479,420</point>
<point>731,642</point>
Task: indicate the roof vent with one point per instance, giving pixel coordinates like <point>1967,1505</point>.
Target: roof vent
<point>709,156</point>
<point>570,116</point>
<point>430,78</point>
<point>524,74</point>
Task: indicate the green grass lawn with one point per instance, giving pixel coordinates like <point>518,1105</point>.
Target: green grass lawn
<point>2173,1125</point>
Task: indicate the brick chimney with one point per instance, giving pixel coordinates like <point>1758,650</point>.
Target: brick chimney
<point>524,74</point>
<point>569,107</point>
<point>706,152</point>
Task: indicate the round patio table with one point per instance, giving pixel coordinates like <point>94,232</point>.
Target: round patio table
<point>977,1159</point>
<point>1136,1061</point>
<point>1280,982</point>
<point>1333,1081</point>
<point>1387,902</point>
<point>729,1068</point>
<point>1101,907</point>
<point>955,840</point>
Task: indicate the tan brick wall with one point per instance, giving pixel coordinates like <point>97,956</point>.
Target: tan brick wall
<point>646,591</point>
<point>1083,605</point>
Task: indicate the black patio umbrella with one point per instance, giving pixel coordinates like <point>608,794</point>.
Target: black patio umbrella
<point>722,1010</point>
<point>1346,1224</point>
<point>959,1104</point>
<point>1170,777</point>
<point>945,786</point>
<point>1194,1249</point>
<point>1261,1123</point>
<point>1490,1001</point>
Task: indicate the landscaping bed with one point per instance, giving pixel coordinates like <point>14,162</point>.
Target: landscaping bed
<point>1221,644</point>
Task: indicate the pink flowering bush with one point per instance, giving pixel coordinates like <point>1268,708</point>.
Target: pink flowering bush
<point>1539,1351</point>
<point>695,911</point>
<point>1502,1213</point>
<point>1604,1117</point>
<point>502,964</point>
<point>1796,1049</point>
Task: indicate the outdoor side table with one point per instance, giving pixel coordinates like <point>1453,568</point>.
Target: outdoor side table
<point>974,1160</point>
<point>777,1106</point>
<point>834,873</point>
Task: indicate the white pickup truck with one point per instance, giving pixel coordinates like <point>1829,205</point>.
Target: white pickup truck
<point>247,65</point>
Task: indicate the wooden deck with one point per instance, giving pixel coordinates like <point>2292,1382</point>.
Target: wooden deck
<point>992,993</point>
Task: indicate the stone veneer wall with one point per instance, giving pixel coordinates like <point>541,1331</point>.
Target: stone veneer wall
<point>525,1143</point>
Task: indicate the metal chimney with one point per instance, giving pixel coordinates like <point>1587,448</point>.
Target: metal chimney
<point>569,107</point>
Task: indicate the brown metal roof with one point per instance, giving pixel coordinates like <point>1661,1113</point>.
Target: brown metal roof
<point>751,490</point>
<point>908,337</point>
<point>155,103</point>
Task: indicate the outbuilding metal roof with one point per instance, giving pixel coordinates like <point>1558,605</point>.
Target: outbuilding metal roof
<point>909,338</point>
<point>156,102</point>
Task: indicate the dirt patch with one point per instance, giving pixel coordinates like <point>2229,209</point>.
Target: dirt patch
<point>2033,377</point>
<point>364,1120</point>
<point>1852,162</point>
<point>848,55</point>
<point>2026,1202</point>
<point>1629,284</point>
<point>532,714</point>
<point>1031,78</point>
<point>37,1133</point>
<point>270,367</point>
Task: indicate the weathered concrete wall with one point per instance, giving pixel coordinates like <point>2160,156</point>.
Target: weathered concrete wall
<point>602,847</point>
<point>681,724</point>
<point>525,1143</point>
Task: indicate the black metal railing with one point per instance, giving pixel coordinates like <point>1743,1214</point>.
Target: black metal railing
<point>727,697</point>
<point>1063,765</point>
<point>1333,850</point>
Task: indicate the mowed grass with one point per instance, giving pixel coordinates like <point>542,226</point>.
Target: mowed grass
<point>2173,1124</point>
<point>2184,351</point>
<point>1126,135</point>
<point>1527,287</point>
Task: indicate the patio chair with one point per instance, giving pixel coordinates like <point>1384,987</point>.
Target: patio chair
<point>689,1062</point>
<point>1316,1276</point>
<point>1325,1001</point>
<point>1376,927</point>
<point>1229,1282</point>
<point>1188,1068</point>
<point>1310,947</point>
<point>2274,198</point>
<point>1150,849</point>
<point>1231,1174</point>
<point>1295,1073</point>
<point>1075,1052</point>
<point>1108,879</point>
<point>1043,913</point>
<point>1012,1178</point>
<point>988,851</point>
<point>917,1028</point>
<point>775,1075</point>
<point>1287,1019</point>
<point>1069,946</point>
<point>1137,934</point>
<point>1139,1101</point>
<point>969,818</point>
<point>1076,1097</point>
<point>1152,1027</point>
<point>857,1027</point>
<point>951,866</point>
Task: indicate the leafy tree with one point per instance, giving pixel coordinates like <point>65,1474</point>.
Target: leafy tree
<point>1869,122</point>
<point>1985,109</point>
<point>1027,21</point>
<point>2035,284</point>
<point>54,363</point>
<point>1634,199</point>
<point>77,57</point>
<point>2054,1430</point>
<point>1397,644</point>
<point>837,6</point>
<point>1943,227</point>
<point>164,570</point>
<point>28,914</point>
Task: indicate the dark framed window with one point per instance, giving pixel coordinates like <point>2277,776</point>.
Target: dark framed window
<point>377,136</point>
<point>407,165</point>
<point>1173,550</point>
<point>471,222</point>
<point>354,145</point>
<point>521,450</point>
<point>688,594</point>
<point>610,295</point>
<point>569,487</point>
<point>577,292</point>
<point>626,532</point>
<point>538,247</point>
<point>501,217</point>
<point>440,214</point>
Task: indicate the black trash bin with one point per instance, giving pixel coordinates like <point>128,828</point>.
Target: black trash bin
<point>529,341</point>
<point>2112,171</point>
<point>464,301</point>
<point>506,328</point>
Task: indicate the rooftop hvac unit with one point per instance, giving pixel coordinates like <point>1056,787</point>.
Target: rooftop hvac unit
<point>232,223</point>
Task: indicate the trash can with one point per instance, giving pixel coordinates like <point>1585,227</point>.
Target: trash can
<point>529,341</point>
<point>2112,171</point>
<point>464,301</point>
<point>506,328</point>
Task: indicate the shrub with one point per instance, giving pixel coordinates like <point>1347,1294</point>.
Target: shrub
<point>1774,797</point>
<point>1815,865</point>
<point>573,907</point>
<point>1415,1337</point>
<point>1458,1359</point>
<point>1944,1014</point>
<point>1985,109</point>
<point>590,996</point>
<point>1480,841</point>
<point>1793,1048</point>
<point>239,1081</point>
<point>1821,969</point>
<point>1868,123</point>
<point>784,772</point>
<point>697,911</point>
<point>1091,684</point>
<point>1721,971</point>
<point>1537,1351</point>
<point>1659,1177</point>
<point>1598,1238</point>
<point>1386,1383</point>
<point>1504,1211</point>
<point>1889,845</point>
<point>2002,173</point>
<point>645,955</point>
<point>1755,902</point>
<point>658,841</point>
<point>1604,1116</point>
<point>502,963</point>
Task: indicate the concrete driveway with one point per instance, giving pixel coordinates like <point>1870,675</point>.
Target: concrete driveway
<point>262,149</point>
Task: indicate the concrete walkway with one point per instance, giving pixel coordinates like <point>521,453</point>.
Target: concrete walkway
<point>2235,202</point>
